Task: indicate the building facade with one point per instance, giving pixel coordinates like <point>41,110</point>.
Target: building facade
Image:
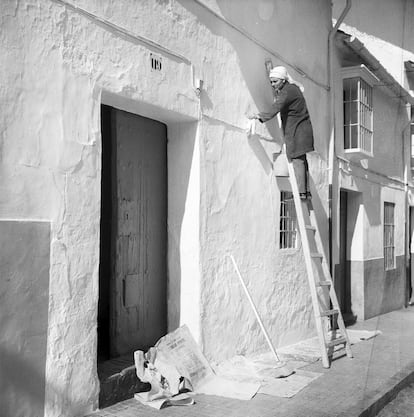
<point>127,179</point>
<point>373,183</point>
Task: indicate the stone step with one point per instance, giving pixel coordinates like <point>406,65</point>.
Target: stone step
<point>118,381</point>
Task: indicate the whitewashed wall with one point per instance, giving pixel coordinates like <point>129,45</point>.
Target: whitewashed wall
<point>58,66</point>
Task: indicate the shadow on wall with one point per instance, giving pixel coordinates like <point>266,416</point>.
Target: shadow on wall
<point>22,385</point>
<point>24,302</point>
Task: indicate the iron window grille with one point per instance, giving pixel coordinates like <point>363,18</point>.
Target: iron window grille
<point>358,110</point>
<point>389,231</point>
<point>412,141</point>
<point>288,221</point>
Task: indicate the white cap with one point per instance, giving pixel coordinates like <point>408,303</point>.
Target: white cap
<point>279,72</point>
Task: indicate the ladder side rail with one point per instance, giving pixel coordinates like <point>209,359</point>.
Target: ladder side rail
<point>332,292</point>
<point>324,264</point>
<point>309,264</point>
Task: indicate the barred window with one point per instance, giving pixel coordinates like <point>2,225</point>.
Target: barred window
<point>389,244</point>
<point>412,141</point>
<point>358,82</point>
<point>288,221</point>
<point>358,117</point>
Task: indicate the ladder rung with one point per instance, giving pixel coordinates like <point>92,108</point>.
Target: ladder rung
<point>310,227</point>
<point>323,283</point>
<point>338,341</point>
<point>329,312</point>
<point>316,255</point>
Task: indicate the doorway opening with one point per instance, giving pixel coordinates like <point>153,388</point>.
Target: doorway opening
<point>348,212</point>
<point>132,306</point>
<point>410,269</point>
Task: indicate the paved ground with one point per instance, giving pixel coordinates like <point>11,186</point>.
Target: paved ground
<point>402,405</point>
<point>351,387</point>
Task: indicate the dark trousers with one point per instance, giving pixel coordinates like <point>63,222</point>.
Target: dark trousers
<point>300,165</point>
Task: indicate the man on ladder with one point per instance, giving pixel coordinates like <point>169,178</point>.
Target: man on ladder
<point>297,127</point>
<point>298,136</point>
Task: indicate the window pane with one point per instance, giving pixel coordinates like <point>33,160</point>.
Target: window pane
<point>347,113</point>
<point>346,137</point>
<point>362,137</point>
<point>354,88</point>
<point>364,115</point>
<point>354,112</point>
<point>357,114</point>
<point>354,137</point>
<point>389,234</point>
<point>346,90</point>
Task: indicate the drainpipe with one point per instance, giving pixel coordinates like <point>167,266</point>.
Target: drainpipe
<point>407,170</point>
<point>331,149</point>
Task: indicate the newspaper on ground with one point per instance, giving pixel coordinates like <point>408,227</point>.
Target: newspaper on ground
<point>263,370</point>
<point>288,387</point>
<point>177,400</point>
<point>308,350</point>
<point>176,363</point>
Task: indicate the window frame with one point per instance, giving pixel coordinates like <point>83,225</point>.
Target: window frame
<point>362,75</point>
<point>412,141</point>
<point>288,222</point>
<point>389,238</point>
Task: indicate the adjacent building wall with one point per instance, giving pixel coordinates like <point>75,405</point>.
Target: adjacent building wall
<point>389,36</point>
<point>380,178</point>
<point>59,64</point>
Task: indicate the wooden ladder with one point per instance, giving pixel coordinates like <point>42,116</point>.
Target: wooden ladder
<point>325,302</point>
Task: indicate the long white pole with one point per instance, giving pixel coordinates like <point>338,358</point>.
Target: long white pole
<point>269,342</point>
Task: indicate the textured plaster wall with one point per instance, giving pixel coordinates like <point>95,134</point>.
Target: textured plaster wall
<point>240,201</point>
<point>58,66</point>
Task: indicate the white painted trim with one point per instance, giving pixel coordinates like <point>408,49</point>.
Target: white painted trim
<point>360,71</point>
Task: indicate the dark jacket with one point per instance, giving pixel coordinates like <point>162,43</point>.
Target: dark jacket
<point>297,127</point>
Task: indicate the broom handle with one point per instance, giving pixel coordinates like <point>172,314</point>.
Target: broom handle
<point>269,342</point>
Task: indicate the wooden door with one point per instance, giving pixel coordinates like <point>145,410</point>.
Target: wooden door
<point>139,232</point>
<point>343,279</point>
<point>340,277</point>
